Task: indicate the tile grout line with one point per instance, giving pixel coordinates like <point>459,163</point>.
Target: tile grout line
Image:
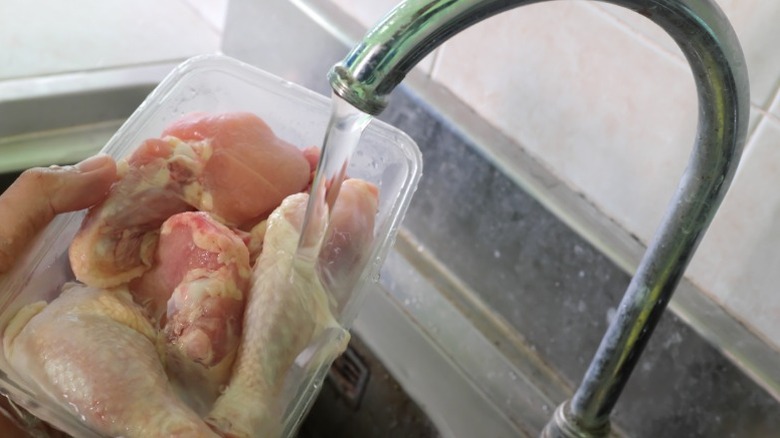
<point>765,117</point>
<point>674,57</point>
<point>766,113</point>
<point>775,99</point>
<point>751,139</point>
<point>431,73</point>
<point>203,17</point>
<point>435,61</point>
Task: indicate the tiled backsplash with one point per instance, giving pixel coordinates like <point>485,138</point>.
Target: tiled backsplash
<point>604,99</point>
<point>48,37</point>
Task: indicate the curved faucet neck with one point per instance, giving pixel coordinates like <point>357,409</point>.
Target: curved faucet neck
<point>371,71</point>
<point>415,27</point>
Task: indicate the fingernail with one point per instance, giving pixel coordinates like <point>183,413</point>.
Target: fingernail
<point>92,163</point>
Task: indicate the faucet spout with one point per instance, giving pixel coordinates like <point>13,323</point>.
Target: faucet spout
<point>415,27</point>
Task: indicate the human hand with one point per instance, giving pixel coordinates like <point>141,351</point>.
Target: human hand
<point>30,203</point>
<point>39,194</point>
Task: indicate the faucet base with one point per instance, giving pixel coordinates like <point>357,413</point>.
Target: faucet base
<point>564,425</point>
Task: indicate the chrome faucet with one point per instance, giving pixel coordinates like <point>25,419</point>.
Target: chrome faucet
<point>415,27</point>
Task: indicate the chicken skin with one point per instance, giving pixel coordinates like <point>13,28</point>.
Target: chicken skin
<point>194,305</point>
<point>288,308</point>
<point>96,354</point>
<point>230,165</point>
<point>194,294</point>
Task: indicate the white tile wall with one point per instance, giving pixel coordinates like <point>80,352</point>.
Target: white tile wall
<point>614,117</point>
<point>42,37</point>
<point>213,11</point>
<point>371,12</point>
<point>738,260</point>
<point>755,22</point>
<point>774,110</point>
<point>605,99</point>
<point>367,13</point>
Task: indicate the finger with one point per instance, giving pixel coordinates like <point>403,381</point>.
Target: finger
<point>312,155</point>
<point>39,194</point>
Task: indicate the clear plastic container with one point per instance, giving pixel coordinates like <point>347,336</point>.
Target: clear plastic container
<point>385,156</point>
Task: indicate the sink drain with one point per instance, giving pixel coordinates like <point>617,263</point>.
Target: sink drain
<point>349,376</point>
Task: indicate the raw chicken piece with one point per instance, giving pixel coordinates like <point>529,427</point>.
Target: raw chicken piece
<point>231,165</point>
<point>350,232</point>
<point>94,352</point>
<point>195,292</point>
<point>288,309</point>
<point>250,170</point>
<point>254,237</point>
<point>254,240</point>
<point>117,239</point>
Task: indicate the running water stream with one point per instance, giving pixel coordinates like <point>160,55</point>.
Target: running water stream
<point>341,137</point>
<point>344,130</point>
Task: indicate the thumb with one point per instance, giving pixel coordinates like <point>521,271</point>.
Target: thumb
<point>39,194</point>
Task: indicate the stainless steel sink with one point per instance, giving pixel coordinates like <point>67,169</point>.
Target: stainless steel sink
<point>488,308</point>
<point>65,118</point>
